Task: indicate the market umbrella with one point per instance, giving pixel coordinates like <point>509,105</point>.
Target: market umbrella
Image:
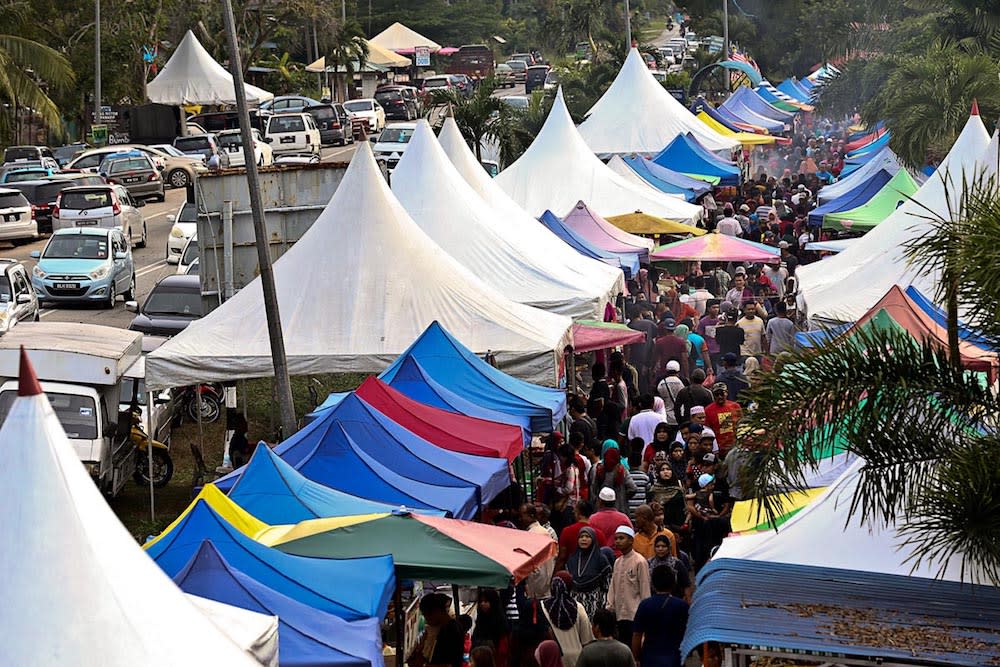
<point>424,547</point>
<point>644,223</point>
<point>715,248</point>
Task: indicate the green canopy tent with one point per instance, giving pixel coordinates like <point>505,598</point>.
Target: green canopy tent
<point>897,190</point>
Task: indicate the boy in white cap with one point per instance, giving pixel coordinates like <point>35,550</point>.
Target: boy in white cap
<point>629,582</point>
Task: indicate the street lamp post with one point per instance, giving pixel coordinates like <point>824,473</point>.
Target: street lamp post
<point>97,61</point>
<point>725,39</point>
<point>628,26</point>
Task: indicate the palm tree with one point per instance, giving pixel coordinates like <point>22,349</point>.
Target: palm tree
<point>348,46</point>
<point>27,69</point>
<point>925,427</point>
<point>474,115</point>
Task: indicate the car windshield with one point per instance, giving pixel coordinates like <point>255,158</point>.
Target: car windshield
<point>551,77</point>
<point>192,144</point>
<point>517,64</point>
<point>227,140</point>
<point>85,200</point>
<point>173,300</point>
<point>322,113</point>
<point>76,413</point>
<point>130,164</point>
<point>25,175</point>
<point>20,153</point>
<point>5,292</point>
<point>358,105</point>
<point>435,83</point>
<point>395,135</point>
<point>12,200</point>
<point>130,385</point>
<point>190,252</point>
<point>389,96</point>
<point>168,149</point>
<point>67,152</point>
<point>282,124</point>
<point>188,213</point>
<point>515,101</point>
<point>76,246</point>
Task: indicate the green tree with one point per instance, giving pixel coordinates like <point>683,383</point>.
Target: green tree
<point>474,115</point>
<point>515,129</point>
<point>347,49</point>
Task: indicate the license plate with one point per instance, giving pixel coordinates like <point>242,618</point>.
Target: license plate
<point>235,149</point>
<point>86,223</point>
<point>11,217</point>
<point>132,179</point>
<point>288,140</point>
<point>67,285</point>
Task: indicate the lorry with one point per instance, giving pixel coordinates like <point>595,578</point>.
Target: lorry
<point>473,60</point>
<point>81,368</point>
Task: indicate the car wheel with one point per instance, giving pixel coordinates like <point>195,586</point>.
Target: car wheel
<point>112,296</point>
<point>142,239</point>
<point>162,197</point>
<point>130,294</point>
<point>178,178</point>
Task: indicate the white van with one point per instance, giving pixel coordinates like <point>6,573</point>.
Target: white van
<point>292,133</point>
<point>105,206</point>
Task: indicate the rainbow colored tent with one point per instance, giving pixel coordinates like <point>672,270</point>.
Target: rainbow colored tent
<point>897,190</point>
<point>590,225</point>
<point>715,248</point>
<point>626,261</point>
<point>745,138</point>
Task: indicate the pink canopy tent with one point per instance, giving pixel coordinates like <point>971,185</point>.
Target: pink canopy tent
<point>715,248</point>
<point>590,335</point>
<point>604,235</point>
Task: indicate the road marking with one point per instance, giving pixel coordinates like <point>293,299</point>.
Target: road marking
<point>150,268</point>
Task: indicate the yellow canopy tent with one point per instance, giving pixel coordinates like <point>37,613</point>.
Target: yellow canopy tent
<point>745,138</point>
<point>644,223</point>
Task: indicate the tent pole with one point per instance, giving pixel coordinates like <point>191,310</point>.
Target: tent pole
<point>458,604</point>
<point>400,624</point>
<point>149,453</point>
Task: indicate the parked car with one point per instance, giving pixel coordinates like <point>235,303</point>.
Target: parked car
<point>217,121</point>
<point>84,265</point>
<point>28,174</point>
<point>190,254</point>
<point>391,143</point>
<point>439,82</point>
<point>180,169</point>
<point>104,206</point>
<point>231,141</point>
<point>504,76</point>
<point>39,153</point>
<point>369,110</point>
<point>397,105</point>
<point>184,224</point>
<point>520,70</point>
<point>136,172</point>
<point>18,301</point>
<point>289,159</point>
<point>288,103</point>
<point>517,102</point>
<point>463,83</point>
<point>46,167</point>
<point>293,133</point>
<point>526,58</point>
<point>174,303</point>
<point>534,78</point>
<point>42,195</point>
<point>203,146</point>
<point>17,222</point>
<point>334,123</point>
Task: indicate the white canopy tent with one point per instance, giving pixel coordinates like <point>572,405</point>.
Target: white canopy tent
<point>637,115</point>
<point>845,286</point>
<point>398,37</point>
<point>559,169</point>
<point>77,588</point>
<point>255,633</point>
<point>192,76</point>
<point>517,224</point>
<point>821,535</point>
<point>377,55</point>
<point>354,292</point>
<point>456,218</point>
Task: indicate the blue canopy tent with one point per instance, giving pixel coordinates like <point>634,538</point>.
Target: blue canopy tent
<point>667,180</point>
<point>870,149</point>
<point>720,118</point>
<point>627,262</point>
<point>753,101</point>
<point>817,337</point>
<point>965,332</point>
<point>851,199</point>
<point>736,121</point>
<point>316,582</point>
<point>684,155</point>
<point>762,608</point>
<point>409,455</point>
<point>276,493</point>
<point>789,88</point>
<point>748,115</point>
<point>454,366</point>
<point>308,637</point>
<point>857,135</point>
<point>325,453</point>
<point>885,159</point>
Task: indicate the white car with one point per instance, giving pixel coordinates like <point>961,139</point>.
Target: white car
<point>185,224</point>
<point>189,256</point>
<point>293,133</point>
<point>369,110</point>
<point>103,206</point>
<point>232,142</point>
<point>391,143</point>
<point>16,219</point>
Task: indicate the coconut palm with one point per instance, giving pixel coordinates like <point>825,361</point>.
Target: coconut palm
<point>925,426</point>
<point>348,49</point>
<point>474,115</point>
<point>27,69</point>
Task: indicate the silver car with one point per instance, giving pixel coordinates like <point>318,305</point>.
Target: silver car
<point>16,219</point>
<point>107,206</point>
<point>18,301</point>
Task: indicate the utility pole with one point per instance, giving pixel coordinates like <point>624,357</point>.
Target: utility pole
<point>97,61</point>
<point>283,385</point>
<point>343,11</point>
<point>628,27</point>
<point>725,39</point>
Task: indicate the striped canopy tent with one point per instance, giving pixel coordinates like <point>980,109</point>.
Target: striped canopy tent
<point>590,335</point>
<point>897,190</point>
<point>745,138</point>
<point>715,248</point>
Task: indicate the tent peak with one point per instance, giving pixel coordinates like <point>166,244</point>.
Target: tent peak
<point>27,381</point>
<point>975,107</point>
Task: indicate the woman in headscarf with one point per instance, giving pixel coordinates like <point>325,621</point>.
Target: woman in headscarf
<point>567,619</point>
<point>662,437</point>
<point>548,655</point>
<point>491,628</point>
<point>612,474</point>
<point>667,491</point>
<point>590,569</point>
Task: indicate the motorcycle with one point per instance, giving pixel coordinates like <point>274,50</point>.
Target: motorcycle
<point>163,465</point>
<point>211,402</point>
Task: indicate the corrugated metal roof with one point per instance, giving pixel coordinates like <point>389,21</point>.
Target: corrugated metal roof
<point>844,613</point>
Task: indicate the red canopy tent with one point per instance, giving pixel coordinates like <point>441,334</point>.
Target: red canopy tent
<point>590,335</point>
<point>447,430</point>
<point>861,142</point>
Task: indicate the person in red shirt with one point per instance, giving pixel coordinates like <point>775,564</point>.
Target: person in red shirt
<point>569,535</point>
<point>607,519</point>
<point>722,416</point>
<point>668,346</point>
